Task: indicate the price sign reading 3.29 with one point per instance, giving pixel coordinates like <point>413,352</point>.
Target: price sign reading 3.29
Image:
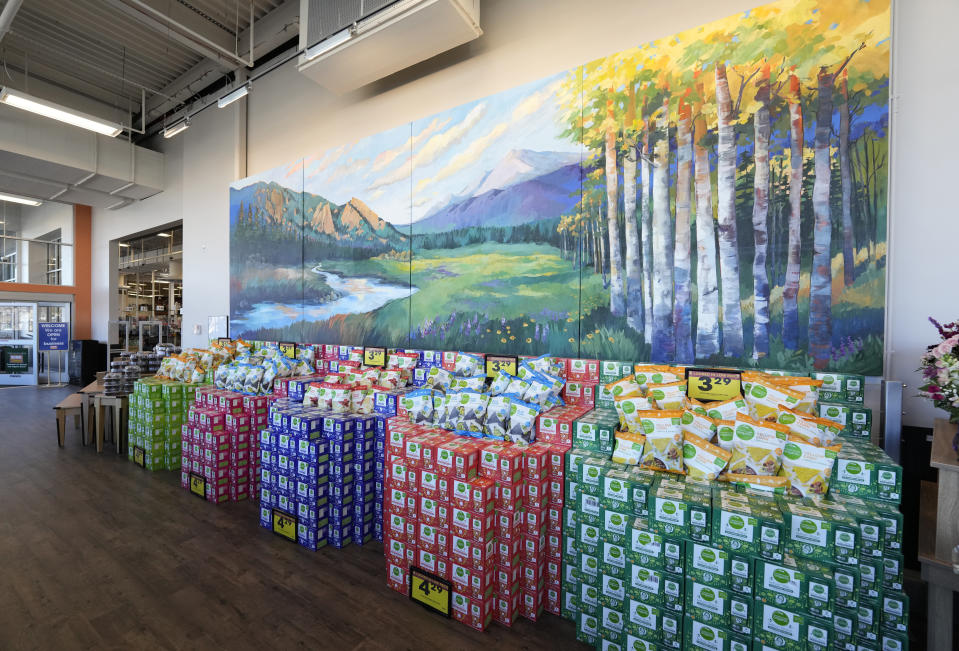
<point>710,385</point>
<point>497,363</point>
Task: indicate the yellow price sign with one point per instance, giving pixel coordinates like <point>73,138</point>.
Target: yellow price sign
<point>706,384</point>
<point>288,349</point>
<point>431,591</point>
<point>374,356</point>
<point>198,485</point>
<point>139,457</point>
<point>284,525</point>
<point>497,363</point>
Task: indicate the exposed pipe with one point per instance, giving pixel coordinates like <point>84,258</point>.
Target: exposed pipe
<point>186,31</point>
<point>7,15</point>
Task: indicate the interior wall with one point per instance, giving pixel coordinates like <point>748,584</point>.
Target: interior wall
<point>289,116</point>
<point>36,223</point>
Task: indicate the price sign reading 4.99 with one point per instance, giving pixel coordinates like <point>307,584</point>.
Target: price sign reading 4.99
<point>497,363</point>
<point>198,485</point>
<point>284,525</point>
<point>431,591</point>
<point>712,384</point>
<point>374,356</point>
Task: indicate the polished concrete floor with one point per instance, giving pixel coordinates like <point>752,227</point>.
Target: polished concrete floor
<point>100,554</point>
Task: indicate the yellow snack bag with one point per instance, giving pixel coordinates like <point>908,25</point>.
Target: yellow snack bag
<point>702,459</point>
<point>628,408</point>
<point>807,467</point>
<point>727,409</point>
<point>629,447</point>
<point>764,398</point>
<point>757,483</point>
<point>625,387</point>
<point>646,374</point>
<point>696,406</point>
<point>725,430</point>
<point>664,440</point>
<point>671,395</point>
<point>810,429</point>
<point>757,447</point>
<point>806,386</point>
<point>698,424</point>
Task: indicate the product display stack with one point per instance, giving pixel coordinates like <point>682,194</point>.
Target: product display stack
<point>217,446</point>
<point>158,410</point>
<point>764,527</point>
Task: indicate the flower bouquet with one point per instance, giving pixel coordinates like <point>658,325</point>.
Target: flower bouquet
<point>940,372</point>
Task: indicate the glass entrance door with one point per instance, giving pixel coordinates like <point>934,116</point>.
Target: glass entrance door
<point>18,350</point>
<point>53,364</point>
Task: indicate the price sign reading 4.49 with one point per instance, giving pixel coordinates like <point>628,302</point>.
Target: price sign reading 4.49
<point>497,363</point>
<point>430,591</point>
<point>374,356</point>
<point>284,525</point>
<point>712,384</point>
<point>198,485</point>
<point>139,457</point>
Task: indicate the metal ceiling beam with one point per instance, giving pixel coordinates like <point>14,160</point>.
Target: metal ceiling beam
<point>272,30</point>
<point>203,37</point>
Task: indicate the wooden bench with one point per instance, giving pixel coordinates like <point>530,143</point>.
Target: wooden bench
<point>73,402</point>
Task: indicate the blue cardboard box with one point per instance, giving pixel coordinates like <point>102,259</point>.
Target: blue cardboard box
<point>285,504</point>
<point>312,538</point>
<point>317,451</point>
<point>266,440</point>
<point>312,514</point>
<point>362,532</point>
<point>266,517</point>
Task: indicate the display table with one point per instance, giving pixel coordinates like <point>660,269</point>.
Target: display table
<point>86,394</point>
<point>938,534</point>
<point>120,405</point>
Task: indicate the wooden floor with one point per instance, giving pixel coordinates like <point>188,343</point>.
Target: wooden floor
<point>98,553</point>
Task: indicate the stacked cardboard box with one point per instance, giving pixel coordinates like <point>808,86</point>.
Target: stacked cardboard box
<point>158,410</point>
<point>654,561</point>
<point>320,469</point>
<point>482,514</point>
<point>217,443</point>
<point>841,398</point>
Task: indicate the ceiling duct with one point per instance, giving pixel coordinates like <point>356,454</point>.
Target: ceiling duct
<point>351,43</point>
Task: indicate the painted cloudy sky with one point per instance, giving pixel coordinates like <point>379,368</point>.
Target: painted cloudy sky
<point>452,151</point>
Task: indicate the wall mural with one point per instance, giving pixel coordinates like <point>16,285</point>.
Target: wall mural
<point>716,196</point>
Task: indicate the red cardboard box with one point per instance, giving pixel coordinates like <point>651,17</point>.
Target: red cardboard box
<point>446,456</point>
<point>511,465</point>
<point>461,549</point>
<point>582,370</point>
<point>475,613</point>
<point>508,552</point>
<point>449,361</point>
<point>412,506</point>
<point>461,495</point>
<point>426,537</point>
<point>536,520</point>
<point>506,609</point>
<point>414,451</point>
<point>465,461</point>
<point>443,514</point>
<point>230,403</point>
<point>238,422</point>
<point>537,494</point>
<point>556,489</point>
<point>509,524</point>
<point>426,560</point>
<point>510,497</point>
<point>483,555</point>
<point>483,526</point>
<point>396,526</point>
<point>395,499</point>
<point>397,474</point>
<point>413,481</point>
<point>554,598</point>
<point>536,460</point>
<point>397,577</point>
<point>395,548</point>
<point>554,570</point>
<point>554,544</point>
<point>554,518</point>
<point>461,522</point>
<point>489,460</point>
<point>534,549</point>
<point>482,495</point>
<point>444,566</point>
<point>531,576</point>
<point>427,512</point>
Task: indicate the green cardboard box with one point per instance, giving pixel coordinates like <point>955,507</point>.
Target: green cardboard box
<point>846,531</point>
<point>741,613</point>
<point>809,532</point>
<point>588,600</point>
<point>855,419</point>
<point>735,526</point>
<point>870,578</point>
<point>589,511</point>
<point>571,493</point>
<point>613,560</point>
<point>588,540</point>
<point>569,609</point>
<point>706,603</point>
<point>617,491</point>
<point>868,616</point>
<point>674,589</point>
<point>588,565</point>
<point>645,584</point>
<point>591,472</point>
<point>892,571</point>
<point>895,611</point>
<point>702,636</point>
<point>844,628</point>
<point>841,387</point>
<point>741,573</point>
<point>642,482</point>
<point>587,628</point>
<point>643,620</point>
<point>708,565</point>
<point>645,546</point>
<point>574,459</point>
<point>846,580</point>
<point>636,643</point>
<point>872,526</point>
<point>821,586</point>
<point>893,641</point>
<point>615,526</point>
<point>611,623</point>
<point>674,554</point>
<point>781,585</point>
<point>819,635</point>
<point>779,628</point>
<point>612,592</point>
<point>866,471</point>
<point>615,643</point>
<point>671,635</point>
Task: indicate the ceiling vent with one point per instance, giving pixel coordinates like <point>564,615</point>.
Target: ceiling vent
<point>350,43</point>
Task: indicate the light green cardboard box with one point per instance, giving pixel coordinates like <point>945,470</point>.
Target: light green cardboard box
<point>574,459</point>
<point>617,491</point>
<point>588,541</point>
<point>615,527</point>
<point>591,472</point>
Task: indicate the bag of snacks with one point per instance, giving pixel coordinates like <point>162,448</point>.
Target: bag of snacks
<point>522,421</point>
<point>545,364</point>
<point>646,374</point>
<point>702,459</point>
<point>757,483</point>
<point>627,386</point>
<point>757,447</point>
<point>439,378</point>
<point>361,400</point>
<point>810,429</point>
<point>419,405</point>
<point>727,409</point>
<point>806,386</point>
<point>517,387</point>
<point>406,361</point>
<point>628,408</point>
<point>239,377</point>
<point>725,430</point>
<point>497,417</point>
<point>254,377</point>
<point>700,425</point>
<point>463,383</point>
<point>500,383</point>
<point>242,347</point>
<point>542,387</point>
<point>764,398</point>
<point>667,396</point>
<point>341,398</point>
<point>696,406</point>
<point>807,467</point>
<point>664,440</point>
<point>629,447</point>
<point>468,364</point>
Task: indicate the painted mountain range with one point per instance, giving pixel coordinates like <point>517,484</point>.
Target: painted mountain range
<point>525,186</point>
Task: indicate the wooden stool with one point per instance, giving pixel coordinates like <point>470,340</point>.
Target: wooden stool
<point>73,402</point>
<point>119,405</point>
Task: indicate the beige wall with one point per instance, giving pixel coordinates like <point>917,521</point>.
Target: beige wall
<point>289,116</point>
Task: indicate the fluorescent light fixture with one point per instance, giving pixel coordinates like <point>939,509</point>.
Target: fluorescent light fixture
<point>123,244</point>
<point>179,127</point>
<point>47,109</point>
<point>328,44</point>
<point>12,198</point>
<point>164,235</point>
<point>229,98</point>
